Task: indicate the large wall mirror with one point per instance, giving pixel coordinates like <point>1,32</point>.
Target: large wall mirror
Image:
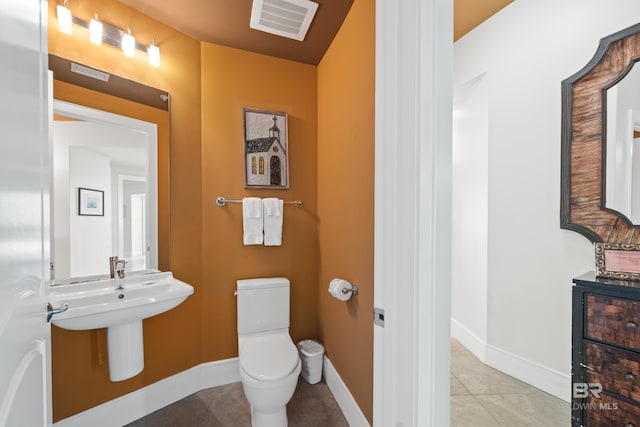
<point>109,144</point>
<point>600,196</point>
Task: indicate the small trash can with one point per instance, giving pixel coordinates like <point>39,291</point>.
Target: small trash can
<point>311,354</point>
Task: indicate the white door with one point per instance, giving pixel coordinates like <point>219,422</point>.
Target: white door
<point>24,215</point>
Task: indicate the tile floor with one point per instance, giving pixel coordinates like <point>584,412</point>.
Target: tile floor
<point>480,397</point>
<point>226,406</point>
<point>485,397</point>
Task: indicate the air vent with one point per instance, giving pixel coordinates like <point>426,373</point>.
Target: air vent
<point>286,18</point>
<point>90,72</point>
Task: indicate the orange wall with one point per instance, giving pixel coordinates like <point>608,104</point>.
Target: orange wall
<point>345,198</point>
<point>172,341</point>
<point>231,80</point>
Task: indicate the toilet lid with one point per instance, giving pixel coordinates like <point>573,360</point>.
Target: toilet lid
<point>269,357</point>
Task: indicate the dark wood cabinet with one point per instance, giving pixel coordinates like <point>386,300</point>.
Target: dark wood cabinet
<point>605,352</point>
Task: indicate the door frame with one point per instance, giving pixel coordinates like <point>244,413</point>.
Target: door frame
<point>414,73</point>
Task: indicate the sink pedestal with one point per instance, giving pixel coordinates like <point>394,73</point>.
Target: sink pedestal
<point>126,353</point>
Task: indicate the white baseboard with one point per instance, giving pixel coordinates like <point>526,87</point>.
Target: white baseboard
<point>343,396</point>
<point>132,406</point>
<point>546,379</point>
<point>473,343</point>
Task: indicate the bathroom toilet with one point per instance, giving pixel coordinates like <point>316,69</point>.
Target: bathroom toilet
<point>269,361</point>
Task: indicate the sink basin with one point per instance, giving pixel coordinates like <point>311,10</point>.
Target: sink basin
<point>97,304</point>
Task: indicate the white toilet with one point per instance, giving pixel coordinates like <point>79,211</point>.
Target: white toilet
<point>269,361</point>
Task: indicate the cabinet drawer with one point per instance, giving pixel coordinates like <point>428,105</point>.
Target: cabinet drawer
<point>613,320</point>
<point>618,371</point>
<point>610,412</point>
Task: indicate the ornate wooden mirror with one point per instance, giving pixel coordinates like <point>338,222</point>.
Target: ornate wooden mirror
<point>600,126</point>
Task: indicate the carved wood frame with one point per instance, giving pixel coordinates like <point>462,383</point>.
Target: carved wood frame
<point>582,202</point>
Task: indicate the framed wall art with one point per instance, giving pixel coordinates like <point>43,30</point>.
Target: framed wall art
<point>90,202</point>
<point>618,260</point>
<point>266,149</point>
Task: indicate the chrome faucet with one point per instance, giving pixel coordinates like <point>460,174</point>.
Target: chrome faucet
<point>112,266</point>
<point>116,270</point>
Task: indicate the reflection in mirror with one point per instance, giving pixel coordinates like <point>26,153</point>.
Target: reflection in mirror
<point>116,157</point>
<point>623,146</point>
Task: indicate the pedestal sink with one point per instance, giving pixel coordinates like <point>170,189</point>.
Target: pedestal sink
<point>97,304</point>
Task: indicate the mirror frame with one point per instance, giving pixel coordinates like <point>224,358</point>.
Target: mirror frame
<point>583,156</point>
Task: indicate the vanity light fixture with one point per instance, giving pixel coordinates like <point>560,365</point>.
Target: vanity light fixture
<point>128,44</point>
<point>154,54</point>
<point>103,32</point>
<point>65,20</point>
<point>95,30</point>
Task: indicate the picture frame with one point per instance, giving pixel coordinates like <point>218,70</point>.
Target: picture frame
<point>618,260</point>
<point>266,149</point>
<point>90,202</point>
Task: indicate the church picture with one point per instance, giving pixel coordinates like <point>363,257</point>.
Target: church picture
<point>265,149</point>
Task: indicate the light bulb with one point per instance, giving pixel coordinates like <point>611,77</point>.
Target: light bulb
<point>64,19</point>
<point>154,55</point>
<point>128,44</point>
<point>95,30</point>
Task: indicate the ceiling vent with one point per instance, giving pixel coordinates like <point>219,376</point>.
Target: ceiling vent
<point>286,18</point>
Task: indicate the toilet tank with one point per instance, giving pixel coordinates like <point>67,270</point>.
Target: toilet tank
<point>263,304</point>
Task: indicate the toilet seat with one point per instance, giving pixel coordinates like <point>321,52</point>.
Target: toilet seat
<point>269,357</point>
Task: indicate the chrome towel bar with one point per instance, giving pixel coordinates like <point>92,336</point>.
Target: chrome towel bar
<point>221,201</point>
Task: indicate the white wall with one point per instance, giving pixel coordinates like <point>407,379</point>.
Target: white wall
<point>622,172</point>
<point>469,240</point>
<point>635,180</point>
<point>89,236</point>
<point>617,190</point>
<point>116,142</point>
<point>117,172</point>
<point>60,199</point>
<point>526,50</point>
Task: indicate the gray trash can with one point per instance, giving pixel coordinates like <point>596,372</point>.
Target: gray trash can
<point>311,354</point>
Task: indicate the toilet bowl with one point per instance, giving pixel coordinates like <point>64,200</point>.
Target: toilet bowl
<point>269,373</point>
<point>269,361</point>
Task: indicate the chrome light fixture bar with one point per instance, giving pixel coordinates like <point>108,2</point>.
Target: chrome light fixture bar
<point>109,34</point>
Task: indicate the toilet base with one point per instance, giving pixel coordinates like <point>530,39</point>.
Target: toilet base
<point>274,419</point>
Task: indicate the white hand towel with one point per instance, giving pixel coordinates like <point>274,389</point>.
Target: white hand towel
<point>252,220</point>
<point>273,215</point>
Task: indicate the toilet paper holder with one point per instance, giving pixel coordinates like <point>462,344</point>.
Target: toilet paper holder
<point>353,290</point>
<point>341,289</point>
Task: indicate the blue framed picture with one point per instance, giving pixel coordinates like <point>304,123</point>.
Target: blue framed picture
<point>90,202</point>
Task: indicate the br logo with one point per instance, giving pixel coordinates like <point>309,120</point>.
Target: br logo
<point>582,390</point>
